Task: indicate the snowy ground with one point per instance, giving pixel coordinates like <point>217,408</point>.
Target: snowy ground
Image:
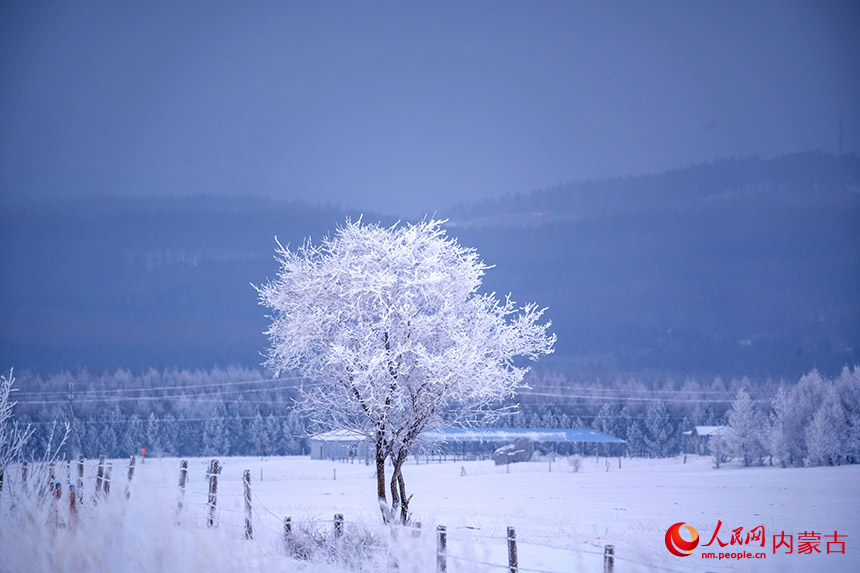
<point>563,519</point>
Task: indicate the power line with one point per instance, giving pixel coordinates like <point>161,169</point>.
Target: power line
<point>195,397</point>
<point>634,399</point>
<point>86,393</point>
<point>144,421</point>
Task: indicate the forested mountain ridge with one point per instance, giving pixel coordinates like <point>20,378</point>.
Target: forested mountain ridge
<point>738,267</point>
<point>741,267</point>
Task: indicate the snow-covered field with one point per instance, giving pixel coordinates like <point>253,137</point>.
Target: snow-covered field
<point>563,519</point>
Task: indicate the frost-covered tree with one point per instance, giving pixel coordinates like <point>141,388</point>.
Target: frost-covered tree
<point>848,390</point>
<point>131,439</point>
<point>777,437</point>
<point>604,422</point>
<point>107,437</point>
<point>719,449</point>
<point>153,436</point>
<point>168,434</point>
<point>806,396</point>
<point>257,436</point>
<point>659,436</point>
<point>274,437</point>
<point>389,324</point>
<point>13,437</point>
<point>827,432</point>
<point>216,441</point>
<point>636,445</point>
<point>746,428</point>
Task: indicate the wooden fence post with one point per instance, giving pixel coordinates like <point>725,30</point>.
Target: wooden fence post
<point>213,491</point>
<point>73,505</point>
<point>79,486</point>
<point>183,472</point>
<point>130,477</point>
<point>246,479</point>
<point>512,550</point>
<point>441,549</point>
<point>288,528</point>
<point>51,479</point>
<point>107,479</point>
<point>608,558</point>
<point>338,526</point>
<point>57,491</point>
<point>100,477</point>
<point>24,475</point>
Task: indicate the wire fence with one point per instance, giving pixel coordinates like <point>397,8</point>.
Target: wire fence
<point>213,512</point>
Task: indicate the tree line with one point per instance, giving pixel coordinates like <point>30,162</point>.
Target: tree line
<point>238,411</point>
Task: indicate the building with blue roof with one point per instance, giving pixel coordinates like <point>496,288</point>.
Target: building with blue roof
<point>467,442</point>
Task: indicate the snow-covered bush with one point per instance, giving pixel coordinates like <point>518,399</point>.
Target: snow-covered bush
<point>13,437</point>
<point>719,450</point>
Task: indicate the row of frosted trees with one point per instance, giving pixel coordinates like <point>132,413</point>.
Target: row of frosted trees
<point>118,436</point>
<point>232,411</point>
<point>242,412</point>
<point>815,422</point>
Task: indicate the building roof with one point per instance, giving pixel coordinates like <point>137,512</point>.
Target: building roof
<point>709,430</point>
<point>511,434</point>
<point>446,435</point>
<point>344,436</point>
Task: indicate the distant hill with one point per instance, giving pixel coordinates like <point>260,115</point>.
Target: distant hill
<point>738,267</point>
<point>741,267</point>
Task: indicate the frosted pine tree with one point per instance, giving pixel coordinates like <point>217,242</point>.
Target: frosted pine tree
<point>777,436</point>
<point>848,390</point>
<point>168,433</point>
<point>153,436</point>
<point>131,439</point>
<point>852,439</point>
<point>827,433</point>
<point>636,445</point>
<point>604,422</point>
<point>659,430</point>
<point>746,430</point>
<point>257,437</point>
<point>805,397</point>
<point>274,439</point>
<point>216,442</point>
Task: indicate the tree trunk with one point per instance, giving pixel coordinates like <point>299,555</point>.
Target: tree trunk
<point>395,494</point>
<point>398,489</point>
<point>380,482</point>
<point>404,501</point>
